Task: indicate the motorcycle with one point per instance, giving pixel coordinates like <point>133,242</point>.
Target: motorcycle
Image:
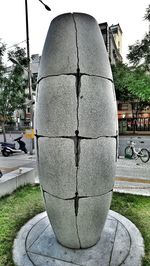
<point>10,148</point>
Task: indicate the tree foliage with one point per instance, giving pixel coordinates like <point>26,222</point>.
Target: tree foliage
<point>131,83</point>
<point>139,53</point>
<point>2,51</point>
<point>12,84</point>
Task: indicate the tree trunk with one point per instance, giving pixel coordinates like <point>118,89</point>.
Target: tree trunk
<point>3,130</point>
<point>133,117</point>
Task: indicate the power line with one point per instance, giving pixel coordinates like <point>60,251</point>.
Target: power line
<point>15,44</point>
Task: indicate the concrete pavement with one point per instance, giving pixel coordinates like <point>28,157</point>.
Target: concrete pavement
<point>132,176</point>
<point>15,161</point>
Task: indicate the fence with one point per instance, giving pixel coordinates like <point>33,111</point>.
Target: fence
<point>131,125</point>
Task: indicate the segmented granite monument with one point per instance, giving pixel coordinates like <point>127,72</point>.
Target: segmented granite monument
<point>76,129</point>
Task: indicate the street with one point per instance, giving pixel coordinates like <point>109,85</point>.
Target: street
<point>11,136</point>
<point>132,176</point>
<point>13,162</point>
<point>123,142</point>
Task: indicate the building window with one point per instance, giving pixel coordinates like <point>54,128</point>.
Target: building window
<point>123,106</point>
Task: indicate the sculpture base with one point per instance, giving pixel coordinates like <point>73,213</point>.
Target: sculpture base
<point>120,243</point>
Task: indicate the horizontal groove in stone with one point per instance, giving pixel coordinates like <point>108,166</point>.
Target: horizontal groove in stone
<point>79,197</point>
<point>72,137</point>
<point>73,74</point>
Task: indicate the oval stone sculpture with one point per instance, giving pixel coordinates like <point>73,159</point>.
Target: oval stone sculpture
<point>76,129</point>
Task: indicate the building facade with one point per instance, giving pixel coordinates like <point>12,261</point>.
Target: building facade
<point>131,117</point>
<point>113,41</point>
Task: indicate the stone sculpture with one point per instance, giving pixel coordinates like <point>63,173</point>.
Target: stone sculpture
<point>76,129</point>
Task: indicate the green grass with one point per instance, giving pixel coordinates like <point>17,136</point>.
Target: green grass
<point>19,207</point>
<point>137,210</point>
<point>16,210</point>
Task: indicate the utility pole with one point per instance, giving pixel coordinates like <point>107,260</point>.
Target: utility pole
<point>29,75</point>
<point>29,69</point>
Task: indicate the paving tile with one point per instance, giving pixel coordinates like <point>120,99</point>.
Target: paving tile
<point>120,244</point>
<point>40,227</point>
<point>42,260</point>
<point>47,247</point>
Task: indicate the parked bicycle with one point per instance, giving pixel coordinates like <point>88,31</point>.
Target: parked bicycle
<point>131,152</point>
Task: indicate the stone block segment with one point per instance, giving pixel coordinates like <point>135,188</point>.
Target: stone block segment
<point>91,218</point>
<point>57,171</point>
<point>59,54</point>
<point>56,108</point>
<point>62,217</point>
<point>93,57</point>
<point>84,42</point>
<point>97,108</point>
<point>96,166</point>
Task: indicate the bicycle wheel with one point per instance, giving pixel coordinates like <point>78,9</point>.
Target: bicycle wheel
<point>144,155</point>
<point>128,152</point>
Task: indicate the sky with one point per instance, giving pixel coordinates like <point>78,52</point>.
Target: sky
<point>128,13</point>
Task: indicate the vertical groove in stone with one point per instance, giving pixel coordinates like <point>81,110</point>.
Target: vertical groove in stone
<point>37,147</point>
<point>76,180</point>
<point>114,244</point>
<point>76,203</point>
<point>117,146</point>
<point>78,75</point>
<point>77,141</point>
<point>77,148</point>
<point>43,193</point>
<point>78,87</point>
<point>76,40</point>
<point>37,91</point>
<point>78,231</point>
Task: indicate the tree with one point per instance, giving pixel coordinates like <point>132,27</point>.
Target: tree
<point>139,58</point>
<point>139,53</point>
<point>2,51</point>
<point>121,75</point>
<point>132,85</point>
<point>12,85</point>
